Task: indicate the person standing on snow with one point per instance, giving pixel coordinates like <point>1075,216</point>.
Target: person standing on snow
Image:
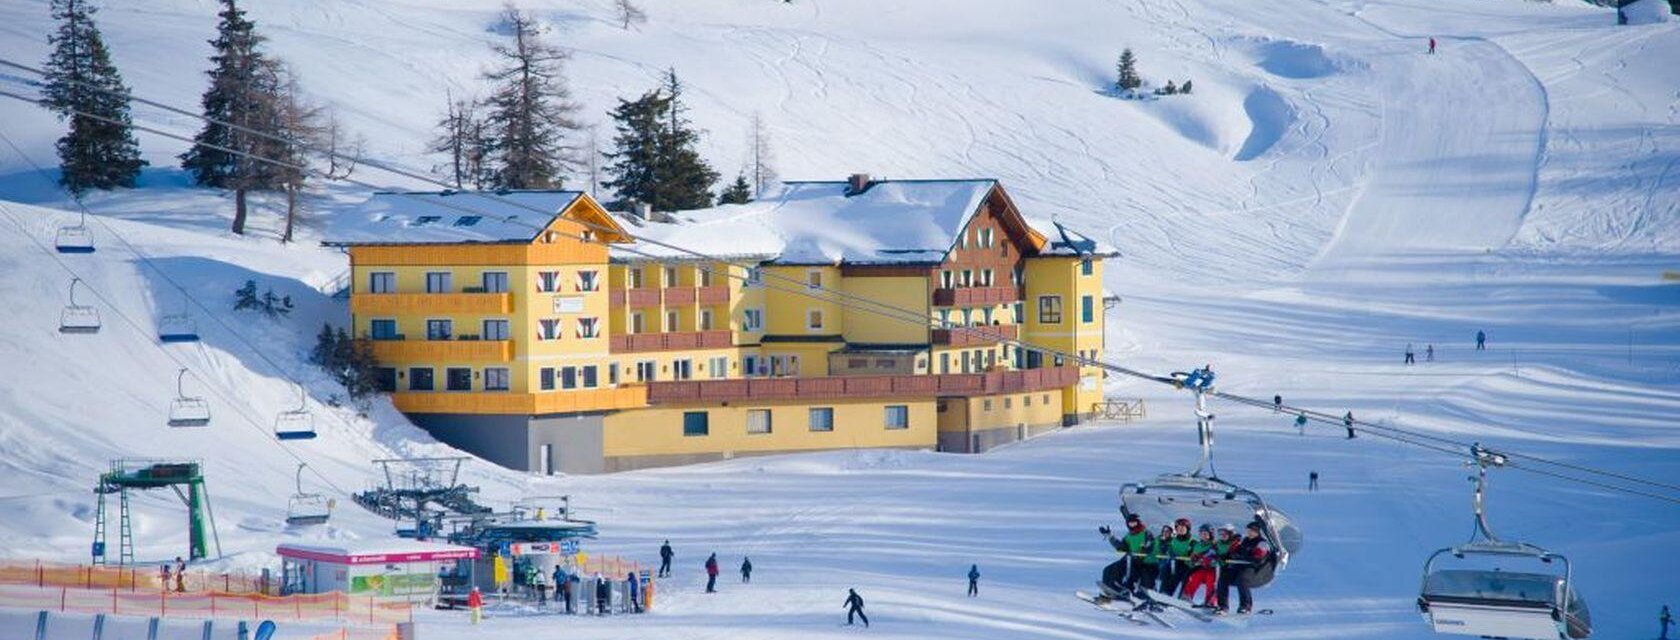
<point>1481,340</point>
<point>1411,356</point>
<point>746,570</point>
<point>1347,421</point>
<point>1666,620</point>
<point>1431,45</point>
<point>854,606</point>
<point>973,580</point>
<point>563,589</point>
<point>603,595</point>
<point>180,575</point>
<point>665,555</point>
<point>711,573</point>
<point>1245,558</point>
<point>475,602</point>
<point>633,592</point>
<point>1312,480</point>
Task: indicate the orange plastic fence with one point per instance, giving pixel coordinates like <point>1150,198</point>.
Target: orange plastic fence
<point>130,578</point>
<point>335,607</point>
<point>358,634</point>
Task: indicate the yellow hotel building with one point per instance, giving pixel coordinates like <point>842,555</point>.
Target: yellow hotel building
<point>541,332</point>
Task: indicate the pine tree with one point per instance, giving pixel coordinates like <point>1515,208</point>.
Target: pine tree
<point>632,163</point>
<point>245,297</point>
<point>739,192</point>
<point>1170,89</point>
<point>530,114</point>
<point>657,160</point>
<point>325,346</point>
<point>1185,88</point>
<point>1127,67</point>
<point>244,85</point>
<point>99,151</point>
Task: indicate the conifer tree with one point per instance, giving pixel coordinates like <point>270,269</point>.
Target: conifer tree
<point>99,151</point>
<point>657,160</point>
<point>245,88</point>
<point>1127,68</point>
<point>739,192</point>
<point>529,117</point>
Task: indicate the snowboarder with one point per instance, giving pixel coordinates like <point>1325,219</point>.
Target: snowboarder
<point>1312,480</point>
<point>180,575</point>
<point>1666,620</point>
<point>854,606</point>
<point>1481,340</point>
<point>1411,357</point>
<point>1245,557</point>
<point>633,593</point>
<point>1277,402</point>
<point>973,580</point>
<point>665,555</point>
<point>475,602</point>
<point>1432,45</point>
<point>746,570</point>
<point>1347,421</point>
<point>1204,556</point>
<point>1301,424</point>
<point>711,573</point>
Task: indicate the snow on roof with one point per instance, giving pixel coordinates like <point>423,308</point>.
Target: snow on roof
<point>429,217</point>
<point>1067,241</point>
<point>372,551</point>
<point>818,222</point>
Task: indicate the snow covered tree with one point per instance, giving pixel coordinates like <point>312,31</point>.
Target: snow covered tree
<point>245,90</point>
<point>1170,89</point>
<point>761,165</point>
<point>1127,68</point>
<point>1185,88</point>
<point>99,151</point>
<point>629,13</point>
<point>458,136</point>
<point>738,192</point>
<point>529,116</point>
<point>656,160</point>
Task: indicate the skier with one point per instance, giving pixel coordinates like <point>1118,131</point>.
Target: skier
<point>1178,548</point>
<point>475,602</point>
<point>1312,481</point>
<point>1481,340</point>
<point>1204,556</point>
<point>1429,353</point>
<point>633,592</point>
<point>711,573</point>
<point>1432,45</point>
<point>973,580</point>
<point>164,569</point>
<point>1411,357</point>
<point>1666,620</point>
<point>1301,424</point>
<point>1246,557</point>
<point>539,583</point>
<point>665,555</point>
<point>854,606</point>
<point>1162,559</point>
<point>180,575</point>
<point>1347,421</point>
<point>1122,576</point>
<point>746,570</point>
<point>563,589</point>
<point>603,595</point>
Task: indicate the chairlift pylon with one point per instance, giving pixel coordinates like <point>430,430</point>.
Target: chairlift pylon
<point>307,508</point>
<point>184,410</point>
<point>297,424</point>
<point>1202,497</point>
<point>178,327</point>
<point>1496,602</point>
<point>78,318</point>
<point>74,238</point>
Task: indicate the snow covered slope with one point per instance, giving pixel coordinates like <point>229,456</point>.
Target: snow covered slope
<point>1328,194</point>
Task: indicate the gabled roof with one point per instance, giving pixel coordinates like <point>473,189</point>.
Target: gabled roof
<point>440,217</point>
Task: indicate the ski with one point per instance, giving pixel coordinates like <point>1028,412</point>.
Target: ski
<point>1239,620</point>
<point>1120,608</point>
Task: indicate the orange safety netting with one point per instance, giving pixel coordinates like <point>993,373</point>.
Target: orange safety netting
<point>130,578</point>
<point>335,607</point>
<point>358,634</point>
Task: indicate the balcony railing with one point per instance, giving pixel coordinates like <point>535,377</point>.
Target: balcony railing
<point>836,387</point>
<point>674,341</point>
<point>387,350</point>
<point>679,295</point>
<point>972,296</point>
<point>407,303</point>
<point>969,336</point>
<point>501,402</point>
<point>714,295</point>
<point>643,297</point>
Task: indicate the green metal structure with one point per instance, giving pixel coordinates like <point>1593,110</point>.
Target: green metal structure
<point>154,474</point>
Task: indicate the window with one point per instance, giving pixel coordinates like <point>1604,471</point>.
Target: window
<point>457,379</point>
<point>548,329</point>
<point>646,370</point>
<point>1050,309</point>
<point>718,367</point>
<point>945,279</point>
<point>1008,402</point>
<point>1087,309</point>
<point>755,278</point>
<point>1017,275</point>
<point>438,282</point>
<point>1026,401</point>
<point>382,282</point>
<point>945,362</point>
<point>440,329</point>
<point>420,379</point>
<point>588,327</point>
<point>422,221</point>
<point>963,241</point>
<point>545,378</point>
<point>636,323</point>
<point>967,277</point>
<point>635,278</point>
<point>383,329</point>
<point>568,378</point>
<point>752,320</point>
<point>496,379</point>
<point>1085,267</point>
<point>898,416</point>
<point>672,321</point>
<point>612,374</point>
<point>495,329</point>
<point>1046,398</point>
<point>986,404</point>
<point>548,281</point>
<point>589,280</point>
<point>705,275</point>
<point>986,315</point>
<point>758,421</point>
<point>985,277</point>
<point>670,276</point>
<point>986,238</point>
<point>695,424</point>
<point>813,279</point>
<point>814,320</point>
<point>705,319</point>
<point>495,281</point>
<point>467,221</point>
<point>822,419</point>
<point>682,369</point>
<point>755,366</point>
<point>591,379</point>
<point>385,379</point>
<point>1020,312</point>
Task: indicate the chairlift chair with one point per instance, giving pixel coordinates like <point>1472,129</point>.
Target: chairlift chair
<point>78,318</point>
<point>1494,602</point>
<point>178,327</point>
<point>75,238</point>
<point>1203,498</point>
<point>307,508</point>
<point>296,424</point>
<point>187,411</point>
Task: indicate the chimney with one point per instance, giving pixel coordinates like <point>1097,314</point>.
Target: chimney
<point>857,183</point>
<point>643,210</point>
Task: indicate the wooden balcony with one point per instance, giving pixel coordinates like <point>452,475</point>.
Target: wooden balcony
<point>679,295</point>
<point>839,387</point>
<point>716,294</point>
<point>975,296</point>
<point>502,402</point>
<point>635,298</point>
<point>440,351</point>
<point>413,303</point>
<point>971,336</point>
<point>675,341</point>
